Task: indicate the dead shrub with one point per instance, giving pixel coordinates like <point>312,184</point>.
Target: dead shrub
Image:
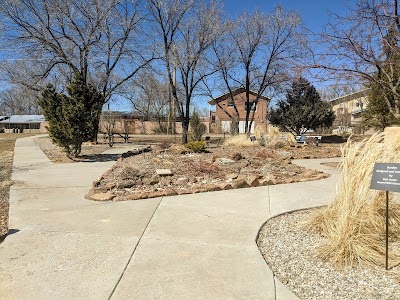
<point>354,222</point>
<point>266,153</point>
<point>236,156</point>
<point>164,145</point>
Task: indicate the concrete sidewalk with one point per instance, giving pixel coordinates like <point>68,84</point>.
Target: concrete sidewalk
<point>199,246</point>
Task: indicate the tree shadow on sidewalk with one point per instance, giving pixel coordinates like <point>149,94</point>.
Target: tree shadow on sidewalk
<point>10,232</point>
<point>98,158</point>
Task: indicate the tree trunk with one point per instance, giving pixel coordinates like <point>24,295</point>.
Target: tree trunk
<point>185,130</point>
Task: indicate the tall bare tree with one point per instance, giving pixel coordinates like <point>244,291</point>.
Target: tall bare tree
<point>186,31</point>
<point>259,53</point>
<point>363,44</point>
<point>99,39</point>
<point>149,97</point>
<point>19,101</point>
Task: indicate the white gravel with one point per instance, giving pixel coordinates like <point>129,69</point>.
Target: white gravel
<point>290,252</point>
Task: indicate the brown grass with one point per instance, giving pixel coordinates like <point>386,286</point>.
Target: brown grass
<point>354,223</point>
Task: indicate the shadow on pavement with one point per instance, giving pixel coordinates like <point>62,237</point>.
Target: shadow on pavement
<point>10,232</point>
<point>99,158</point>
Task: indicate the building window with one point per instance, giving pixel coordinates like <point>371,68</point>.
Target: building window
<point>230,104</point>
<point>252,106</point>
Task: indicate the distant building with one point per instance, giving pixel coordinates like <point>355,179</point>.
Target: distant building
<point>224,105</point>
<point>24,123</point>
<point>348,109</point>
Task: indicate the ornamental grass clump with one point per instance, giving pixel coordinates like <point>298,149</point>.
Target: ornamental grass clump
<point>240,140</point>
<point>354,223</point>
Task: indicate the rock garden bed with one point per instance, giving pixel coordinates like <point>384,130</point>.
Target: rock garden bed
<point>140,175</point>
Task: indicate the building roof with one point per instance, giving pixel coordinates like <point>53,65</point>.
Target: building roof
<point>350,97</point>
<point>24,119</point>
<point>234,92</point>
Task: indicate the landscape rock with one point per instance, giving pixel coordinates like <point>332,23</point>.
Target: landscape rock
<point>225,161</point>
<point>102,197</point>
<point>125,184</point>
<point>183,191</point>
<point>321,176</point>
<point>238,165</point>
<point>225,186</point>
<point>193,180</point>
<point>164,172</point>
<point>155,194</point>
<point>197,189</point>
<point>231,176</point>
<point>169,192</point>
<point>239,183</point>
<point>135,152</point>
<point>253,181</point>
<point>96,183</point>
<point>110,186</point>
<point>135,196</point>
<point>267,180</point>
<point>182,181</point>
<point>211,187</point>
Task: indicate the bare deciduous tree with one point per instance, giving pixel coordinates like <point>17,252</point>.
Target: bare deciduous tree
<point>99,39</point>
<point>258,54</point>
<point>186,31</point>
<point>364,44</point>
<point>19,101</point>
<point>150,97</point>
<point>337,90</point>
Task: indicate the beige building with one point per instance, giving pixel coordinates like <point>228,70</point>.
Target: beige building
<point>348,109</point>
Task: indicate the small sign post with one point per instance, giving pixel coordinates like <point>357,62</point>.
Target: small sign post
<point>386,177</point>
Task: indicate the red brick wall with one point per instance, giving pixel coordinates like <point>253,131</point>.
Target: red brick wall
<point>260,115</point>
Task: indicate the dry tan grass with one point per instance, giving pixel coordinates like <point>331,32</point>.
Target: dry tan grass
<point>274,140</point>
<point>240,140</point>
<point>354,223</point>
<point>259,132</point>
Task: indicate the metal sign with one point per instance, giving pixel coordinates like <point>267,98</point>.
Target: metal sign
<point>386,177</point>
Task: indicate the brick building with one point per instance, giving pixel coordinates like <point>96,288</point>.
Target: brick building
<point>224,106</point>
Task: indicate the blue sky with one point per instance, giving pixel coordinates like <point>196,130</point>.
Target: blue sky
<point>314,13</point>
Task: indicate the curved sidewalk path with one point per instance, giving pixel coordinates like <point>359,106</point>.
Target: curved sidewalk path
<point>199,246</point>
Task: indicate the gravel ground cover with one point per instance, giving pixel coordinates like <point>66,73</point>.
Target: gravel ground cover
<point>291,253</point>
